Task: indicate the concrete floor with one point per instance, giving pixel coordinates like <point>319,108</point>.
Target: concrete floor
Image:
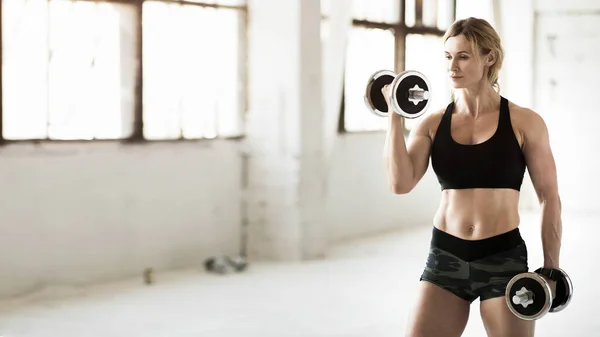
<point>363,289</point>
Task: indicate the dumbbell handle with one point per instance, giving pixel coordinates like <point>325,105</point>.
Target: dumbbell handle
<point>418,94</point>
<point>523,297</point>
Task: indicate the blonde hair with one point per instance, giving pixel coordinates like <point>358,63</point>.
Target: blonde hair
<point>484,38</point>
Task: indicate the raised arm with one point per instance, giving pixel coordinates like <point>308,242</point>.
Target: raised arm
<point>542,170</point>
<point>406,161</point>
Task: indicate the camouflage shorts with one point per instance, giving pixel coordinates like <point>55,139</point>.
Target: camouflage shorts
<point>484,278</point>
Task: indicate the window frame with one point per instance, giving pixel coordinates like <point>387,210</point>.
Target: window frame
<point>137,135</point>
<point>400,31</point>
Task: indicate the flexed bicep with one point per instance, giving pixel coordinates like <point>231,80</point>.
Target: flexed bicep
<point>419,143</point>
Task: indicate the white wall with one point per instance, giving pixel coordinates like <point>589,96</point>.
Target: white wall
<point>285,140</point>
<point>359,201</point>
<point>83,213</point>
<point>567,45</point>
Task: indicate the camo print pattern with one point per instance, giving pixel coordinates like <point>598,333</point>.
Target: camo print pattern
<point>485,278</point>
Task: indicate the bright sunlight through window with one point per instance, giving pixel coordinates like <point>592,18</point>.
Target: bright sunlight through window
<point>63,76</point>
<point>192,86</point>
<point>70,69</point>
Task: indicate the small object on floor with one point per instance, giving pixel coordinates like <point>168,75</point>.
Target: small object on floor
<point>225,264</point>
<point>217,265</point>
<point>148,276</point>
<point>239,263</point>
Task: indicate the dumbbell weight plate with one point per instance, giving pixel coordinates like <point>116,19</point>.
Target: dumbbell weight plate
<point>374,99</point>
<point>542,296</point>
<point>564,293</point>
<point>400,94</point>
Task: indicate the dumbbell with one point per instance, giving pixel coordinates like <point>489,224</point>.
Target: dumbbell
<point>529,297</point>
<point>410,93</point>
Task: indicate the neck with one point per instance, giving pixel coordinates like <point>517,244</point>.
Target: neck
<point>477,100</point>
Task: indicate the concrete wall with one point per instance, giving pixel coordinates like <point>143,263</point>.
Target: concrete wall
<point>567,44</point>
<point>359,201</point>
<point>83,213</point>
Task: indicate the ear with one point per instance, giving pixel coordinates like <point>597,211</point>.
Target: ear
<point>490,58</point>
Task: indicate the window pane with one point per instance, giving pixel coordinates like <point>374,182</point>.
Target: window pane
<point>85,71</point>
<point>75,66</point>
<point>445,14</point>
<point>477,8</point>
<point>409,17</point>
<point>387,11</point>
<point>25,69</point>
<point>430,12</point>
<point>192,71</point>
<point>361,63</point>
<point>433,11</point>
<point>425,53</point>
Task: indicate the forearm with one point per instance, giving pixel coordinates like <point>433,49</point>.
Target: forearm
<point>397,161</point>
<point>551,231</point>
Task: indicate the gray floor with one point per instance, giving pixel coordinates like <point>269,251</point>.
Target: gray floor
<point>363,289</point>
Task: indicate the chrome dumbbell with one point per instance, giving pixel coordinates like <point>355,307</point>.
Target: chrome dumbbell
<point>410,93</point>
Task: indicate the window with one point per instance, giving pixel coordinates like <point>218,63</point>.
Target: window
<point>62,76</point>
<point>83,70</point>
<point>191,83</point>
<point>394,35</point>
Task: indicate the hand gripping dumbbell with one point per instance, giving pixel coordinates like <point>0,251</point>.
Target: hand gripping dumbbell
<point>529,297</point>
<point>410,93</point>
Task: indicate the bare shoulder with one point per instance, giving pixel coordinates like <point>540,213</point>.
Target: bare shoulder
<point>526,120</point>
<point>430,122</point>
<point>528,125</point>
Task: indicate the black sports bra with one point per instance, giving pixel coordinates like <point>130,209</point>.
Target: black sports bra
<point>496,163</point>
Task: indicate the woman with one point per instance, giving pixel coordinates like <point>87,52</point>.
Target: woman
<point>480,146</point>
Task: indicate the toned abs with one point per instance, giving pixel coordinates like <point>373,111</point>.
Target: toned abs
<point>477,213</point>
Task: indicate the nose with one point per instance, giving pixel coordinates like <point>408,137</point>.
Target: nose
<point>453,68</point>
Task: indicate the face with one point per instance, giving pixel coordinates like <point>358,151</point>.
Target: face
<point>465,66</point>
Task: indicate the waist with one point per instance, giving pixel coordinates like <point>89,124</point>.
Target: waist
<point>471,250</point>
<point>474,214</point>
